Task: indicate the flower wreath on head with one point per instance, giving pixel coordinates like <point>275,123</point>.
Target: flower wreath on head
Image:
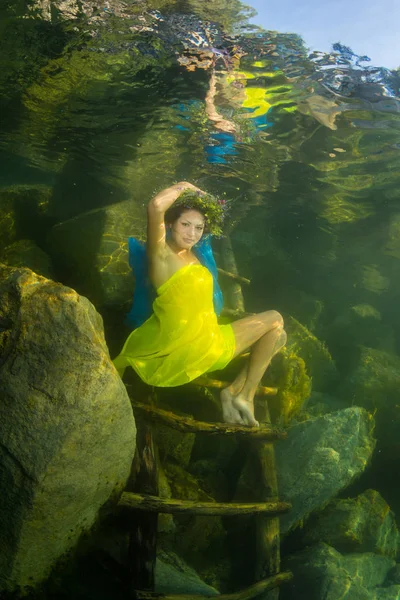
<point>214,209</point>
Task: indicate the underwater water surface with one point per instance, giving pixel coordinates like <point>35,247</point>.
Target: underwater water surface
<point>103,106</point>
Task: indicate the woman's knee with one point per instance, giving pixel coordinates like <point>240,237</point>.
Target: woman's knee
<point>283,338</point>
<point>273,319</point>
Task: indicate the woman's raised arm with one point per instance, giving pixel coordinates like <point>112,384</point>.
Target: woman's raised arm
<point>156,209</point>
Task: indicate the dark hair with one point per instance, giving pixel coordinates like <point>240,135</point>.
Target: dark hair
<point>175,212</point>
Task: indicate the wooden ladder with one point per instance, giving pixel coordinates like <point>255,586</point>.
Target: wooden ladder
<point>141,509</point>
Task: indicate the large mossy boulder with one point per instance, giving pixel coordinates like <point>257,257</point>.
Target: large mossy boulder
<point>319,458</point>
<point>374,384</point>
<point>361,524</point>
<point>322,573</point>
<point>92,250</point>
<point>67,432</point>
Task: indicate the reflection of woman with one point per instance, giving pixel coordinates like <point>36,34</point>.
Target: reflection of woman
<point>182,339</point>
<point>247,101</point>
<point>218,120</point>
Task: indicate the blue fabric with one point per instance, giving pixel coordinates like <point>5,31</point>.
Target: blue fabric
<point>145,293</point>
<point>223,145</point>
<point>262,121</point>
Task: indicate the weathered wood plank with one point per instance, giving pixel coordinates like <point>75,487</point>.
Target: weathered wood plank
<point>247,594</point>
<point>268,562</point>
<point>234,276</point>
<point>145,502</point>
<point>234,313</point>
<point>189,425</point>
<point>267,529</point>
<point>204,381</point>
<point>143,527</point>
<point>234,293</point>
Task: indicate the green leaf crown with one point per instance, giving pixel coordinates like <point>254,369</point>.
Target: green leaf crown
<point>213,209</point>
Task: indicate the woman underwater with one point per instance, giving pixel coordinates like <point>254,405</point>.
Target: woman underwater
<point>182,339</point>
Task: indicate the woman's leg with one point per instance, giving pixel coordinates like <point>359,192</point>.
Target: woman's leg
<point>264,334</point>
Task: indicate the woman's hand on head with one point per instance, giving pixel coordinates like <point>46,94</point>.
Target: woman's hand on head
<point>185,185</point>
<point>164,199</point>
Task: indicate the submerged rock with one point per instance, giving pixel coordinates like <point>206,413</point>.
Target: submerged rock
<point>374,384</point>
<point>174,444</point>
<point>321,457</point>
<point>319,363</point>
<point>199,539</point>
<point>21,208</point>
<point>25,253</point>
<point>165,522</point>
<point>360,322</point>
<point>305,364</point>
<point>391,592</point>
<point>67,433</point>
<point>393,577</point>
<point>322,572</point>
<point>288,372</point>
<point>174,576</point>
<point>362,524</point>
<point>92,249</point>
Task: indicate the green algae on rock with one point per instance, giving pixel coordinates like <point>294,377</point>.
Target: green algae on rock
<point>361,524</point>
<point>322,572</point>
<point>288,372</point>
<point>319,363</point>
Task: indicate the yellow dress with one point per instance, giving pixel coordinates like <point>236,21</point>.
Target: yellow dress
<point>182,339</point>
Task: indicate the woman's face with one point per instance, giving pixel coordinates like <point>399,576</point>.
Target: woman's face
<point>187,230</point>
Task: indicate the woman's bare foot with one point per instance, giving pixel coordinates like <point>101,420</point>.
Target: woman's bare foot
<point>229,413</point>
<point>245,408</point>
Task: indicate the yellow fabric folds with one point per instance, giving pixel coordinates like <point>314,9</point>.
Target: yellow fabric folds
<point>182,339</point>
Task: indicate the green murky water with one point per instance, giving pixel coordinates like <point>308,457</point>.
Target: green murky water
<point>103,108</point>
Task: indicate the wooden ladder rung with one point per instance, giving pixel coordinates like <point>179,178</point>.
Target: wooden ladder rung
<point>247,594</point>
<point>189,425</point>
<point>148,503</point>
<point>203,381</point>
<point>234,276</point>
<point>235,313</point>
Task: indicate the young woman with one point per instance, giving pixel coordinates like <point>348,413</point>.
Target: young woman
<point>182,339</point>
